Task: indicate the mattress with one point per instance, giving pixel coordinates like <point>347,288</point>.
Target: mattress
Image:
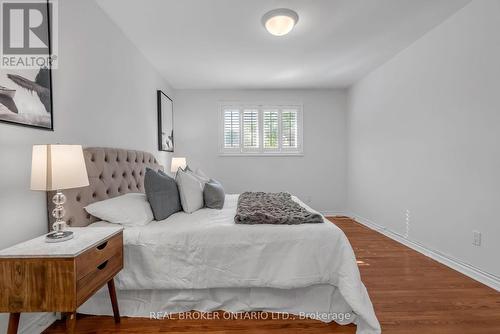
<point>206,252</point>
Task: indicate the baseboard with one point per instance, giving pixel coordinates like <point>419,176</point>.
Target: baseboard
<point>35,323</point>
<point>329,213</point>
<point>469,270</point>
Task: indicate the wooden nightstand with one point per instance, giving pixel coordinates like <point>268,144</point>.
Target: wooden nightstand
<point>36,276</point>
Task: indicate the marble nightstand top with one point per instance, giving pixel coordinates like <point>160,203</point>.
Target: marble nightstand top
<point>84,238</point>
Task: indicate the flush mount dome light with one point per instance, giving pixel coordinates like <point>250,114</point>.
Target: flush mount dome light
<point>280,21</point>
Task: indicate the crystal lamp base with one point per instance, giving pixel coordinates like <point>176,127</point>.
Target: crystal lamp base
<point>59,236</point>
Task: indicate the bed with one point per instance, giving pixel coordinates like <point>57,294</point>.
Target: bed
<point>204,261</point>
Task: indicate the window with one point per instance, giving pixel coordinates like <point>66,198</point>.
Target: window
<point>271,128</point>
<point>251,128</point>
<point>261,129</point>
<point>289,128</point>
<point>231,128</point>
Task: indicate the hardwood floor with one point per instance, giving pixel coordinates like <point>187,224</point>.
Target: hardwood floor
<point>411,293</point>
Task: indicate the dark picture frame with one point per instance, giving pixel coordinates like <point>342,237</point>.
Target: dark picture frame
<point>39,79</point>
<point>165,122</point>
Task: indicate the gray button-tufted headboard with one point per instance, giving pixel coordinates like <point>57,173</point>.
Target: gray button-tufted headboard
<point>112,172</point>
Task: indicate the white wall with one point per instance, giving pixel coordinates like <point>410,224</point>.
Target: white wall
<point>318,176</point>
<point>104,95</point>
<point>424,134</point>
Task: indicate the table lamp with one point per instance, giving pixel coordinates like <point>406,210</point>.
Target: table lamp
<point>177,163</point>
<point>54,168</point>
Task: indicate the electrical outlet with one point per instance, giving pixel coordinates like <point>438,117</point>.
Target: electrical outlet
<point>476,238</point>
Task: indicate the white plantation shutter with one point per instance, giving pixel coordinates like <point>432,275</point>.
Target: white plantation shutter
<point>251,128</point>
<point>271,128</point>
<point>289,128</point>
<point>231,128</point>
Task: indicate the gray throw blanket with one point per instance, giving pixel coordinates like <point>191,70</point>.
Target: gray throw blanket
<point>272,208</point>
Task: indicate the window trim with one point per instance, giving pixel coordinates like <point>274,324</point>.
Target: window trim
<point>241,151</point>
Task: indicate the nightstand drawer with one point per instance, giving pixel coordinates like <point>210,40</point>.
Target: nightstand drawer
<point>98,276</point>
<point>93,257</point>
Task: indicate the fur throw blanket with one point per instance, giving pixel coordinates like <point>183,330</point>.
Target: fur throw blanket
<point>272,208</point>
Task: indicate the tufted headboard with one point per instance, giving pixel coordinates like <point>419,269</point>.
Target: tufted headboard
<point>112,172</point>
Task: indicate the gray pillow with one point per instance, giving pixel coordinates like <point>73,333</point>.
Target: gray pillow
<point>213,194</point>
<point>162,194</point>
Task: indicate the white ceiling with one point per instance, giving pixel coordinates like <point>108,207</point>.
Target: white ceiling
<point>222,43</point>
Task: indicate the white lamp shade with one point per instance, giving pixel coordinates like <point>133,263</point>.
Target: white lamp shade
<point>177,163</point>
<point>56,167</point>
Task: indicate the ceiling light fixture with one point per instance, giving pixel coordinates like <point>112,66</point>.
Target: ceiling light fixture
<point>280,22</point>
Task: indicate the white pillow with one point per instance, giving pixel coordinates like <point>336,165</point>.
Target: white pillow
<point>190,191</point>
<point>131,209</point>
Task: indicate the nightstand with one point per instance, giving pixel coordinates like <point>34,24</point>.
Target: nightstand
<point>36,276</point>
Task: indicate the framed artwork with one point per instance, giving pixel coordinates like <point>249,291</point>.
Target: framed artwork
<point>165,122</point>
<point>26,94</point>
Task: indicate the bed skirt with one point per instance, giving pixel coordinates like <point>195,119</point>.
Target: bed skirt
<point>321,302</point>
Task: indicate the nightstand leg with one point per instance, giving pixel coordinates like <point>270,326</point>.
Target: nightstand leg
<point>114,301</point>
<point>13,323</point>
<point>70,322</point>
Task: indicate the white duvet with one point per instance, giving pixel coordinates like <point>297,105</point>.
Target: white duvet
<point>206,249</point>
